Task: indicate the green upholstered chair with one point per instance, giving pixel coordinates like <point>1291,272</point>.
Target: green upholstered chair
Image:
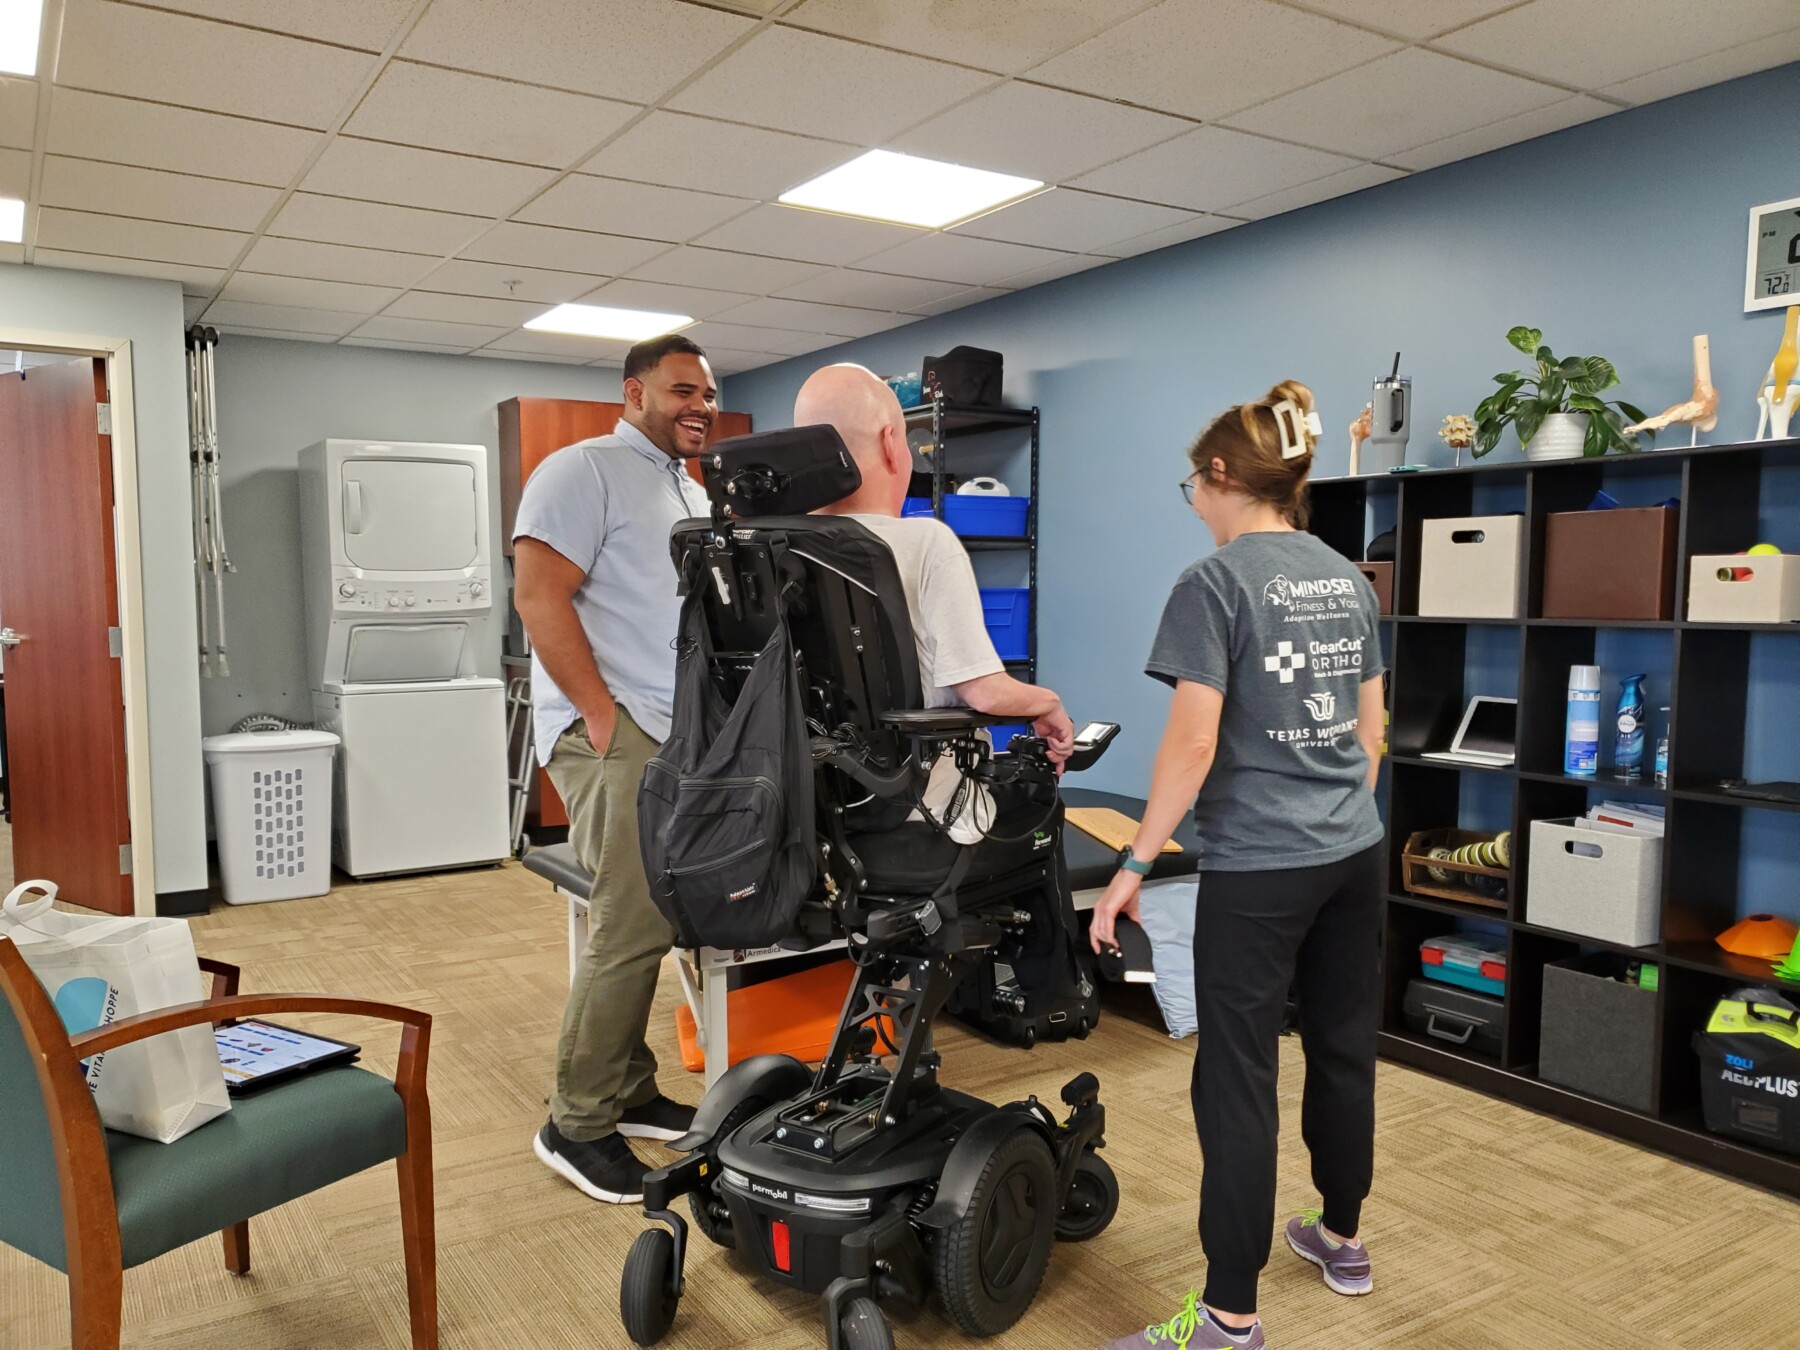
<point>92,1203</point>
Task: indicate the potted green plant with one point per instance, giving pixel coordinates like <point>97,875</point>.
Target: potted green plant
<point>1557,409</point>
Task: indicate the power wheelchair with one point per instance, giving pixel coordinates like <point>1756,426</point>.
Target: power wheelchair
<point>861,1182</point>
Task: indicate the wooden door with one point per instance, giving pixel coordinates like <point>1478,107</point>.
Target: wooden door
<point>59,594</point>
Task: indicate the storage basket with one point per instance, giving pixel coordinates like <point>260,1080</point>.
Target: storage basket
<point>1610,564</point>
<point>1744,588</point>
<point>1595,883</point>
<point>272,812</point>
<point>1469,567</point>
<point>1598,1034</point>
<point>1006,610</point>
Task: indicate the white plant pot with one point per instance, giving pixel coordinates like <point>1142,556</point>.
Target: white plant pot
<point>1561,436</point>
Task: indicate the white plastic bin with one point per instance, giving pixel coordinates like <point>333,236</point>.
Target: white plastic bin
<point>272,811</point>
<point>1595,883</point>
<point>1469,567</point>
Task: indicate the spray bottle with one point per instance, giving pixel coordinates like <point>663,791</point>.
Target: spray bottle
<point>1629,737</point>
<point>1581,742</point>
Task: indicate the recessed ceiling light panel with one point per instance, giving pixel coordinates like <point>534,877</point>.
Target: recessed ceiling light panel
<point>602,321</point>
<point>908,190</point>
<point>19,24</point>
<point>12,220</point>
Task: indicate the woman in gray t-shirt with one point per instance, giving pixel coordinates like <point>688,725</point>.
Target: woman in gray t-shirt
<point>1273,646</point>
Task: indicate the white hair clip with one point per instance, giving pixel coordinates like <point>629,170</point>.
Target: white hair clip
<point>1295,427</point>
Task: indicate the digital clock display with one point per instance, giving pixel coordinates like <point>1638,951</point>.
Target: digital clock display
<point>1773,274</point>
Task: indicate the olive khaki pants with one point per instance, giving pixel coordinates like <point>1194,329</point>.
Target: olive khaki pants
<point>603,1066</point>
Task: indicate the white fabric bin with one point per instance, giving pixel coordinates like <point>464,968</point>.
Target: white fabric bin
<point>1595,883</point>
<point>272,812</point>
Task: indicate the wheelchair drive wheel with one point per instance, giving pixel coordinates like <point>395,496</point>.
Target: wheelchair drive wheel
<point>990,1262</point>
<point>1092,1201</point>
<point>865,1327</point>
<point>647,1294</point>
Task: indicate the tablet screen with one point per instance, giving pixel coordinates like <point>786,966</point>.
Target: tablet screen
<point>252,1052</point>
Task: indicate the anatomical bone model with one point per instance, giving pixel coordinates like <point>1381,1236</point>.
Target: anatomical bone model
<point>1701,412</point>
<point>1779,390</point>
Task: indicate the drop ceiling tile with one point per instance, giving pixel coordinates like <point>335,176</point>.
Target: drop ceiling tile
<point>801,316</point>
<point>201,281</point>
<point>126,131</point>
<point>629,49</point>
<point>774,80</point>
<point>1395,103</point>
<point>601,255</point>
<point>1319,190</point>
<point>721,271</point>
<point>1056,271</point>
<point>1210,168</point>
<point>18,112</point>
<point>955,257</point>
<point>1567,112</point>
<point>404,176</point>
<point>464,335</point>
<point>462,277</point>
<point>661,298</point>
<point>405,229</point>
<point>15,174</point>
<point>1048,134</point>
<point>120,189</point>
<point>712,156</point>
<point>502,354</point>
<point>438,348</point>
<point>280,335</point>
<point>619,206</point>
<point>749,338</point>
<point>974,295</point>
<point>1067,218</point>
<point>1590,43</point>
<point>1007,38</point>
<point>870,290</point>
<point>776,231</point>
<point>1714,68</point>
<point>308,293</point>
<point>724,361</point>
<point>281,319</point>
<point>582,349</point>
<point>1411,19</point>
<point>336,262</point>
<point>172,58</point>
<point>1197,228</point>
<point>86,232</point>
<point>479,115</point>
<point>192,307</point>
<point>1211,59</point>
<point>349,23</point>
<point>477,309</point>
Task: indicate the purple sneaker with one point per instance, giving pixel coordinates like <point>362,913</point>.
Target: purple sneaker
<point>1345,1266</point>
<point>1193,1328</point>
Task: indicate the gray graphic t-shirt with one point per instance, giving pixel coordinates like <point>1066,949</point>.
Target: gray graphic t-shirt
<point>1287,630</point>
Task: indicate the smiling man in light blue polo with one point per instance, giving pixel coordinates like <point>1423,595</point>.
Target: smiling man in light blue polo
<point>596,589</point>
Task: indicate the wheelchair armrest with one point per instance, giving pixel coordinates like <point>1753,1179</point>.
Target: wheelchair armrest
<point>941,721</point>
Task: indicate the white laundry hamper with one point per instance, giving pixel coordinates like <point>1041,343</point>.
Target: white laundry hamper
<point>272,813</point>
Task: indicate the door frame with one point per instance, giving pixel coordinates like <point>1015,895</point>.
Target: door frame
<point>129,563</point>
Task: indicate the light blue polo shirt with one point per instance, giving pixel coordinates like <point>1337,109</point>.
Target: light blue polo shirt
<point>608,505</point>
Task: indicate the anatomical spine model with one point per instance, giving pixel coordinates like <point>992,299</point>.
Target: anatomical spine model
<point>1701,411</point>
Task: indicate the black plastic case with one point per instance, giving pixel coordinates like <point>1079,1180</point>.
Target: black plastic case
<point>1461,1018</point>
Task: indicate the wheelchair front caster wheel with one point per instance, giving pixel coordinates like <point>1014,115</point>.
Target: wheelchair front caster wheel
<point>1082,1028</point>
<point>1092,1201</point>
<point>1028,1038</point>
<point>647,1297</point>
<point>865,1326</point>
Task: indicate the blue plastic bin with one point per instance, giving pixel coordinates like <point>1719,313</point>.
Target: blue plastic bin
<point>991,517</point>
<point>1007,612</point>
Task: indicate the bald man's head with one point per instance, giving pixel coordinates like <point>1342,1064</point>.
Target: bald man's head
<point>868,417</point>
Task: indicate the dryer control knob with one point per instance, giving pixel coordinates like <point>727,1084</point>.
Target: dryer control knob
<point>476,588</point>
<point>347,589</point>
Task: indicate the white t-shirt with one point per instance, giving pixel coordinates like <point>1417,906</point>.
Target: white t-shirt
<point>944,603</point>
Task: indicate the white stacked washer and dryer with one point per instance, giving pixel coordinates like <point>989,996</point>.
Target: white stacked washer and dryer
<point>397,568</point>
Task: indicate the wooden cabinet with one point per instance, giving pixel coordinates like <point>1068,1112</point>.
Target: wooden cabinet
<point>531,430</point>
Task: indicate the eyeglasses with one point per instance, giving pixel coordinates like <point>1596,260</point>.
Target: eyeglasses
<point>1188,487</point>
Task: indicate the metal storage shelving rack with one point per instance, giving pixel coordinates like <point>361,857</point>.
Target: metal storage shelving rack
<point>955,421</point>
<point>1723,490</point>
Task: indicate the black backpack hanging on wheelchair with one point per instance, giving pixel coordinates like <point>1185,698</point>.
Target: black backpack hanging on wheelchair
<point>865,1180</point>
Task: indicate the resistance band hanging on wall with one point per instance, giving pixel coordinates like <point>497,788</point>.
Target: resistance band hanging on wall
<point>211,561</point>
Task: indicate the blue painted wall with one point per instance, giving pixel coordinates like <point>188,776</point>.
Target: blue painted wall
<point>1621,238</point>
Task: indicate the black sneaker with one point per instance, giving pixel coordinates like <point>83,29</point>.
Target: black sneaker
<point>605,1169</point>
<point>658,1118</point>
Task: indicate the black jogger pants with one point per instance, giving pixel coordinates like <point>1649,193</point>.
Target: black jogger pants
<point>1256,934</point>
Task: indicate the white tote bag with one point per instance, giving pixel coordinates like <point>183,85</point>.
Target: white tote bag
<point>100,970</point>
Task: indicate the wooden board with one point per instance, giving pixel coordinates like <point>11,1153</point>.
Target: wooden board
<point>1113,828</point>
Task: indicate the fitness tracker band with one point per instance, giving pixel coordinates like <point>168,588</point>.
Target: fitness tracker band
<point>1127,863</point>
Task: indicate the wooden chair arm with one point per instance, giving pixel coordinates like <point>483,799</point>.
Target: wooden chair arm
<point>225,976</point>
<point>215,1010</point>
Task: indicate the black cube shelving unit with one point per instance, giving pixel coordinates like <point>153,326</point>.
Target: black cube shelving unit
<point>1723,490</point>
<point>951,424</point>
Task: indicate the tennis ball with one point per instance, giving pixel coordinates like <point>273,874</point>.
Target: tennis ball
<point>1765,551</point>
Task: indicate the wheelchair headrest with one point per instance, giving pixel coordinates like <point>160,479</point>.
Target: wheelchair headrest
<point>780,473</point>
